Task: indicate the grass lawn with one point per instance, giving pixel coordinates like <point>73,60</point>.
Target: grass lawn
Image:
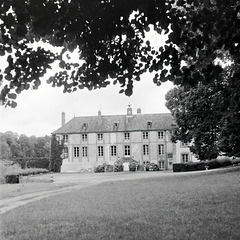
<point>177,207</point>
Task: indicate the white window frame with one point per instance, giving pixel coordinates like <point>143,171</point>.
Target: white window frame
<point>185,157</point>
<point>126,136</point>
<point>84,151</point>
<point>145,149</point>
<point>113,150</point>
<point>161,135</point>
<point>184,145</point>
<point>84,137</point>
<point>65,138</point>
<point>127,150</point>
<point>161,164</point>
<point>75,152</point>
<point>100,151</point>
<point>161,149</point>
<point>145,135</point>
<point>100,136</point>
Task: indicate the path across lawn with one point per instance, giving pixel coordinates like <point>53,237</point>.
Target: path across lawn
<point>142,206</point>
<point>41,186</point>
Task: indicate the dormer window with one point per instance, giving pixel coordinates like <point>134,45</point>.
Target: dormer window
<point>115,126</point>
<point>84,126</point>
<point>149,124</point>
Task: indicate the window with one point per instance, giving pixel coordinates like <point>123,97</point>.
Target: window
<point>170,155</point>
<point>183,144</point>
<point>126,136</point>
<point>127,150</point>
<point>65,152</point>
<point>84,137</point>
<point>145,135</point>
<point>160,149</point>
<point>113,150</point>
<point>149,124</point>
<point>185,158</point>
<point>161,164</point>
<point>84,151</point>
<point>100,151</point>
<point>115,126</point>
<point>100,136</point>
<point>160,135</point>
<point>76,151</point>
<point>65,138</point>
<point>145,149</point>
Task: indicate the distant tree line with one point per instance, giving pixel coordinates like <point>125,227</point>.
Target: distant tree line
<point>31,152</point>
<point>13,145</point>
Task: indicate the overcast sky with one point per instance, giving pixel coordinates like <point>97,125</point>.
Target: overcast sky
<point>39,111</point>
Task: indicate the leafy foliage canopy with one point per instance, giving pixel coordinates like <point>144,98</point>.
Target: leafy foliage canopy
<point>108,36</point>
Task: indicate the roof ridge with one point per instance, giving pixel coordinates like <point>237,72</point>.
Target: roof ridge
<point>120,115</point>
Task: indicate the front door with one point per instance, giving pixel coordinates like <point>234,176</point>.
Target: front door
<point>125,166</point>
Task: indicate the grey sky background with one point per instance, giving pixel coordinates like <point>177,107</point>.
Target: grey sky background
<point>39,111</point>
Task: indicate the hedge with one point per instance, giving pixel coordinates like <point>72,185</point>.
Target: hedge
<point>33,162</point>
<point>197,166</point>
<point>192,166</point>
<point>218,163</point>
<point>13,177</point>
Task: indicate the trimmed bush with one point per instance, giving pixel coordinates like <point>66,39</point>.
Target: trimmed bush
<point>211,164</point>
<point>12,178</point>
<point>218,163</point>
<point>191,166</point>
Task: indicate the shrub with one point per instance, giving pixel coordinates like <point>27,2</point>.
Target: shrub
<point>99,168</point>
<point>118,167</point>
<point>109,168</point>
<point>196,166</point>
<point>218,163</point>
<point>153,167</point>
<point>141,167</point>
<point>236,161</point>
<point>133,166</point>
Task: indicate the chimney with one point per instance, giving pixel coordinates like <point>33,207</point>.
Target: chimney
<point>99,113</point>
<point>63,118</point>
<point>139,111</point>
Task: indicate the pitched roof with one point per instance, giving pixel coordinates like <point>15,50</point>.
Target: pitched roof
<point>120,123</point>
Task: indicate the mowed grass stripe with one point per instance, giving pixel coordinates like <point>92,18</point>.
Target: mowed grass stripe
<point>181,207</point>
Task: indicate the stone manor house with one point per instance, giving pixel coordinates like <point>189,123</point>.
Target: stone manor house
<point>94,140</point>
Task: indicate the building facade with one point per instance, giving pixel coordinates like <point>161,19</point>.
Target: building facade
<point>94,140</point>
